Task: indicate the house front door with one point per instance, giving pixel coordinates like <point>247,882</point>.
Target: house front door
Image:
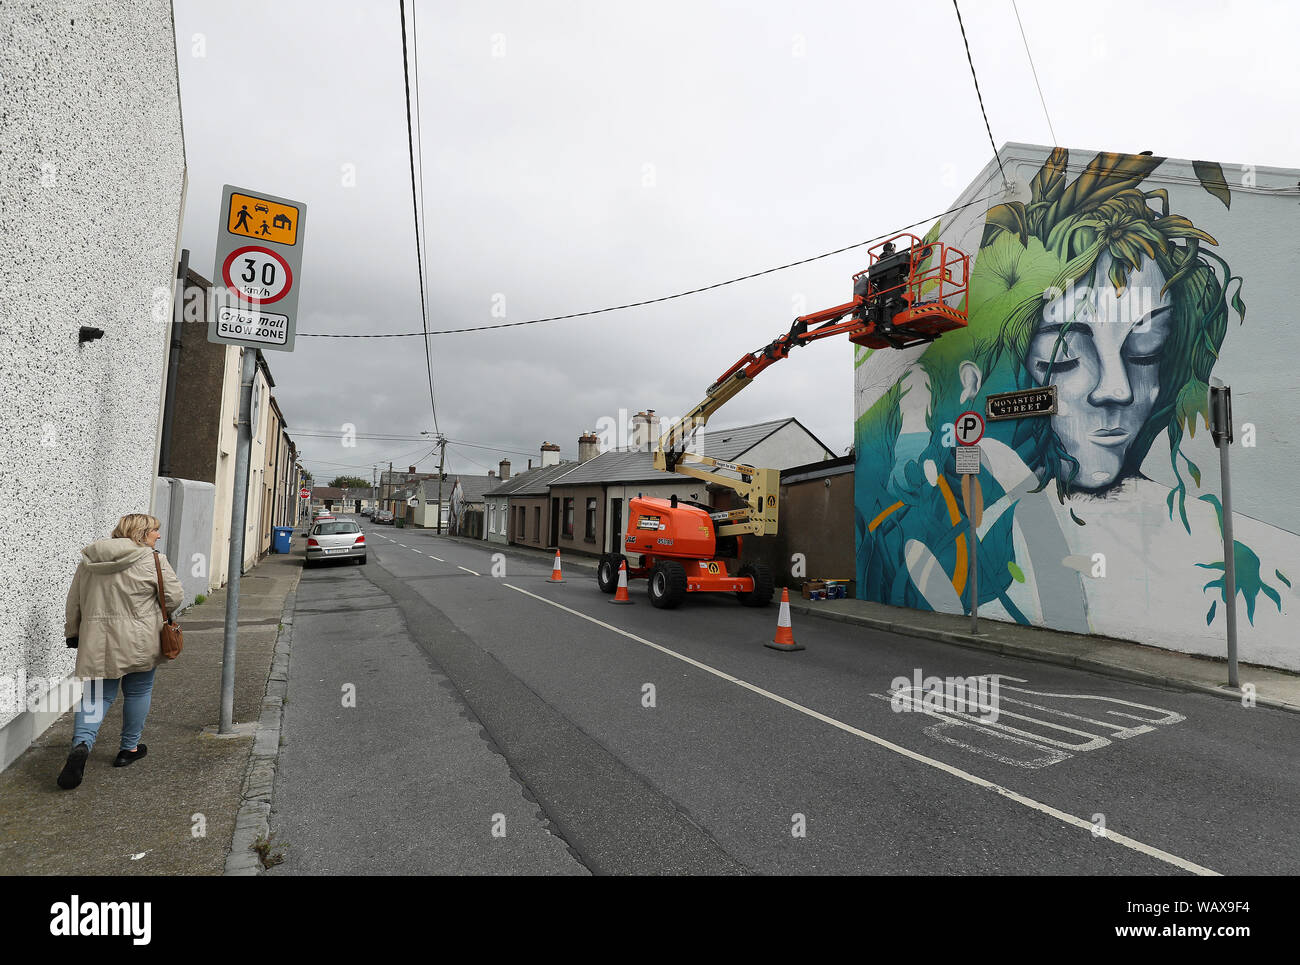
<point>555,522</point>
<point>616,526</point>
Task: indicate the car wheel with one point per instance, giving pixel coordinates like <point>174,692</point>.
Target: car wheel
<point>764,585</point>
<point>361,560</point>
<point>667,585</point>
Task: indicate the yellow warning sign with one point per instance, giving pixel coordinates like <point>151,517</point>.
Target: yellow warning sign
<point>263,219</point>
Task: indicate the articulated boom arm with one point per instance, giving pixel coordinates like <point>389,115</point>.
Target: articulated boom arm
<point>903,298</point>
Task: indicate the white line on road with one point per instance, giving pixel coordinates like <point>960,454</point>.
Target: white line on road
<point>957,772</point>
<point>466,569</point>
<point>414,550</point>
<point>438,558</point>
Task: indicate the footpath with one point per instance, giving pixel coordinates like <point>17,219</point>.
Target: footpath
<point>1124,659</point>
<point>175,812</point>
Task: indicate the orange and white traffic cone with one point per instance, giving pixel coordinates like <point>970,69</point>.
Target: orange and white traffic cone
<point>784,639</point>
<point>556,576</point>
<point>620,595</point>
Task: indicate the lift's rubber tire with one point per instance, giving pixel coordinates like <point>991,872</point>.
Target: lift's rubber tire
<point>607,572</point>
<point>667,584</point>
<point>764,585</point>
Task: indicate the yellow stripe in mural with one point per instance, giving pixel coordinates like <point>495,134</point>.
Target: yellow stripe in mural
<point>959,576</point>
<point>871,526</point>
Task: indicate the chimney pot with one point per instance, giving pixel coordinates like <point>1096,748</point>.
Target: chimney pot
<point>505,468</point>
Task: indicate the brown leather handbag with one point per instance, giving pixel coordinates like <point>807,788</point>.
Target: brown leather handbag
<point>170,636</point>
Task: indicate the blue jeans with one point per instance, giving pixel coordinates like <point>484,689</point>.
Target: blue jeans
<point>98,697</point>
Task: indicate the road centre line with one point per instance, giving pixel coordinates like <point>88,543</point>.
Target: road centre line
<point>466,569</point>
<point>438,558</point>
<point>957,772</point>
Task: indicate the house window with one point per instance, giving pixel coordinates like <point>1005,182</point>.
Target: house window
<point>492,519</point>
<point>568,518</point>
<point>520,532</point>
<point>537,524</point>
<point>591,520</point>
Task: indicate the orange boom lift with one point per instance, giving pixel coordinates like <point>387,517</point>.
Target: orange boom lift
<point>910,293</point>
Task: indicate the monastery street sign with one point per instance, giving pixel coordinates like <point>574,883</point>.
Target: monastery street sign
<point>1021,404</point>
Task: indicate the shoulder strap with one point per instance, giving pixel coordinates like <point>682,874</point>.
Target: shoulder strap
<point>162,602</point>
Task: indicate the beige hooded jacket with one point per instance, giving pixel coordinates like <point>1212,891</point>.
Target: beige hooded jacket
<point>113,608</point>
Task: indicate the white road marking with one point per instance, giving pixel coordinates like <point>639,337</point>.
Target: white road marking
<point>438,558</point>
<point>414,550</point>
<point>467,569</point>
<point>956,772</point>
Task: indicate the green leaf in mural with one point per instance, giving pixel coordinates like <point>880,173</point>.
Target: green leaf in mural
<point>1209,617</point>
<point>1077,519</point>
<point>1017,573</point>
<point>1212,180</point>
<point>1280,576</point>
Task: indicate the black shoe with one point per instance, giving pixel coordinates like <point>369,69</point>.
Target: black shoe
<point>72,771</point>
<point>127,757</point>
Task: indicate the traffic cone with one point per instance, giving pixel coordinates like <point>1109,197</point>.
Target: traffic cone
<point>620,595</point>
<point>556,576</point>
<point>784,639</point>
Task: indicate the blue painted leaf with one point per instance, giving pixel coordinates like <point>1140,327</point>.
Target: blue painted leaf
<point>1209,617</point>
<point>1279,574</point>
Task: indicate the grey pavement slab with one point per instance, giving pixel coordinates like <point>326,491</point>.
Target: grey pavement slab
<point>145,819</point>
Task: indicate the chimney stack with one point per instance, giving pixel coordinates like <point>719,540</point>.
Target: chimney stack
<point>550,454</point>
<point>504,468</point>
<point>411,471</point>
<point>492,474</point>
<point>644,425</point>
<point>588,446</point>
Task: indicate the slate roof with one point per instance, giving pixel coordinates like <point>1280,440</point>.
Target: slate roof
<point>534,482</point>
<point>472,487</point>
<point>637,465</point>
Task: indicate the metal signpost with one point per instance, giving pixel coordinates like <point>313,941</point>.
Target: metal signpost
<point>969,430</point>
<point>255,286</point>
<point>1221,432</point>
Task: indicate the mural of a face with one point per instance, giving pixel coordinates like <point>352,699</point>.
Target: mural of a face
<point>1103,351</point>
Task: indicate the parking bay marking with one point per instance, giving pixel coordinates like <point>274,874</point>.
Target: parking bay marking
<point>957,772</point>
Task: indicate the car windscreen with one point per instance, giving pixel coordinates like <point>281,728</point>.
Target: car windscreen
<point>334,529</point>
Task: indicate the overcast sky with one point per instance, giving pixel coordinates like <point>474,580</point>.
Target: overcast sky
<point>582,155</point>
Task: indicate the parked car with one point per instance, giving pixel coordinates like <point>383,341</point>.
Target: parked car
<point>335,539</point>
<point>384,517</point>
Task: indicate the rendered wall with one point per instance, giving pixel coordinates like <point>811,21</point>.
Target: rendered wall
<point>1127,281</point>
<point>91,181</point>
<point>185,508</point>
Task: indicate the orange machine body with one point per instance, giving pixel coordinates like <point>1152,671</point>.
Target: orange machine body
<point>657,529</point>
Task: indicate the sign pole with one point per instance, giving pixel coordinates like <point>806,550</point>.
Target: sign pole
<point>1221,431</point>
<point>238,513</point>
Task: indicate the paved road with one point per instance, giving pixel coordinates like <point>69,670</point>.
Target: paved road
<point>749,760</point>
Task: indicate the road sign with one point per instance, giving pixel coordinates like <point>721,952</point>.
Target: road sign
<point>969,428</point>
<point>968,460</point>
<point>304,493</point>
<point>258,269</point>
<point>1022,403</point>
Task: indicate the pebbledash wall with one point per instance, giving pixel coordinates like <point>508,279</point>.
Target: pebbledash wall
<point>1128,281</point>
<point>92,177</point>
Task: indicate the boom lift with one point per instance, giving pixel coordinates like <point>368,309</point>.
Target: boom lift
<point>911,293</point>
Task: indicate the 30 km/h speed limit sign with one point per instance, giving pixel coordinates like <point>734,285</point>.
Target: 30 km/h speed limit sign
<point>969,428</point>
<point>258,266</point>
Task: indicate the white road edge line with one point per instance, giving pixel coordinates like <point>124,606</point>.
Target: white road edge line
<point>466,569</point>
<point>957,772</point>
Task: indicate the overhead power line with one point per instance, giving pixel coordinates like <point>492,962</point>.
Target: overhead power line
<point>1042,100</point>
<point>415,204</point>
<point>979,95</point>
<point>654,301</point>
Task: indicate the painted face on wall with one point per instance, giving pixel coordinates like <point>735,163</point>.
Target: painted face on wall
<point>1102,351</point>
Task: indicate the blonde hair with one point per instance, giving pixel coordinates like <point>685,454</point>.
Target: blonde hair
<point>136,527</point>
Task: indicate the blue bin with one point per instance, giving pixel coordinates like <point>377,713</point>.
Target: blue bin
<point>280,540</point>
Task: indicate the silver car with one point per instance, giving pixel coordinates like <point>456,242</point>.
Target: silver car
<point>335,539</point>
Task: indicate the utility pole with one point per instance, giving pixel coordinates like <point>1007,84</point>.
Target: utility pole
<point>442,456</point>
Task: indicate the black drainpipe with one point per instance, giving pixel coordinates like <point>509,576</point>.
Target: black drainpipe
<point>173,362</point>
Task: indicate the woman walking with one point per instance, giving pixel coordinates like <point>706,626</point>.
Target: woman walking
<point>114,620</point>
